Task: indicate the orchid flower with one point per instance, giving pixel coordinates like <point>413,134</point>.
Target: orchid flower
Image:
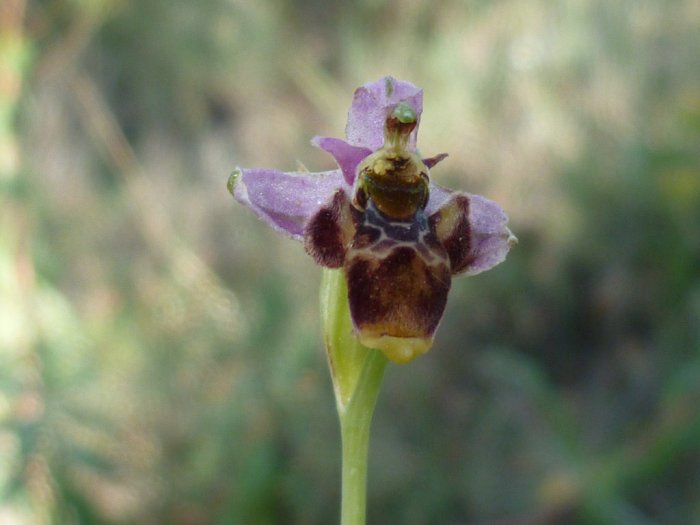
<point>390,241</point>
<point>398,237</point>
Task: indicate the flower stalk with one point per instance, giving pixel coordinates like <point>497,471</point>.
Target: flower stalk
<point>355,425</point>
<point>357,374</point>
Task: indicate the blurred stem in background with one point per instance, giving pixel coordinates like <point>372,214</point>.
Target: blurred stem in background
<point>13,62</point>
<point>20,332</point>
<point>357,374</point>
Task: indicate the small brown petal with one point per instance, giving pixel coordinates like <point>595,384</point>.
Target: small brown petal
<point>432,161</point>
<point>328,232</point>
<point>453,229</point>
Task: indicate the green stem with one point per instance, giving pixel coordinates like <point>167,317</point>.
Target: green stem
<point>355,424</point>
<point>357,373</point>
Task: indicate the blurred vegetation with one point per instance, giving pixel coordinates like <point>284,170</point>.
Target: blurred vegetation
<point>160,357</point>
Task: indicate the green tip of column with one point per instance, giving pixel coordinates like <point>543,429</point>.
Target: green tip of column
<point>404,113</point>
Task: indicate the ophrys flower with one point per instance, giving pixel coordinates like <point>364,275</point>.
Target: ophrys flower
<point>398,237</point>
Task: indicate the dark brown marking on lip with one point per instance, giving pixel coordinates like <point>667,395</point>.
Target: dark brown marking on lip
<point>399,295</point>
<point>367,233</point>
<point>424,252</point>
<point>366,236</point>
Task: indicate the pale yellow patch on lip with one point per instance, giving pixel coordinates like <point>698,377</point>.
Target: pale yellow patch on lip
<point>400,350</point>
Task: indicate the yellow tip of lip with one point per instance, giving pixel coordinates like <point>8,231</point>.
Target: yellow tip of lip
<point>400,350</point>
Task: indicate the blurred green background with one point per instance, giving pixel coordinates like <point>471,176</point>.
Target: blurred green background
<point>160,355</point>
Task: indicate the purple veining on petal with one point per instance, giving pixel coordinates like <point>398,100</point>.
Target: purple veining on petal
<point>346,155</point>
<point>490,237</point>
<point>285,200</point>
<point>370,107</point>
